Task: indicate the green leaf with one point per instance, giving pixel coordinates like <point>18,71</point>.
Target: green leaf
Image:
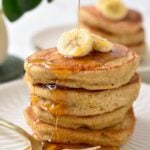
<point>49,0</point>
<point>26,5</point>
<point>14,9</point>
<point>11,9</point>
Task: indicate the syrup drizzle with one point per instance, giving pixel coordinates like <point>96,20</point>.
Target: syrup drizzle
<point>56,126</point>
<point>78,24</point>
<point>79,4</point>
<point>54,131</point>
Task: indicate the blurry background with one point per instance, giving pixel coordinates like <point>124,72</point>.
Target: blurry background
<point>41,28</point>
<point>57,13</point>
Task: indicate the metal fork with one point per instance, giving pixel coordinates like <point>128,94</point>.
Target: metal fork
<point>35,144</point>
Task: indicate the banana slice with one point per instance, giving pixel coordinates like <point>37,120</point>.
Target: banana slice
<point>75,43</point>
<point>101,44</point>
<point>113,9</point>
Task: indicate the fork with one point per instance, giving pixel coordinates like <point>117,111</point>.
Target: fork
<point>35,144</point>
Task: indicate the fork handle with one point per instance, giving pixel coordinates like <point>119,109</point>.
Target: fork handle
<point>14,127</point>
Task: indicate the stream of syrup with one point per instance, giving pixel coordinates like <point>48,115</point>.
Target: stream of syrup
<point>79,14</point>
<point>78,22</point>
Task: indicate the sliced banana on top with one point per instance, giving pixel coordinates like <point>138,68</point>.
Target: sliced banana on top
<point>113,9</point>
<point>78,43</point>
<point>100,44</point>
<point>75,43</point>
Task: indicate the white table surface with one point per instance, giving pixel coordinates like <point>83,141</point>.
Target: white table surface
<point>60,12</point>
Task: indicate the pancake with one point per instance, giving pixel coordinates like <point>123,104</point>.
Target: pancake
<point>82,102</point>
<point>95,71</point>
<point>59,110</point>
<point>134,41</point>
<point>75,122</point>
<point>60,146</point>
<point>129,25</point>
<point>112,136</point>
<point>124,39</point>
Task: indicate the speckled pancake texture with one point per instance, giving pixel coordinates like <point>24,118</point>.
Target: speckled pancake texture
<point>96,71</point>
<point>112,136</point>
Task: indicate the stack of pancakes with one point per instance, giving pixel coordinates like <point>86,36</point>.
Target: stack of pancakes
<point>83,100</point>
<point>128,31</point>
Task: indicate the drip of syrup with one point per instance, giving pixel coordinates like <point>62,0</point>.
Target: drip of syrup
<point>56,126</point>
<point>79,14</point>
<point>55,131</point>
<point>78,24</point>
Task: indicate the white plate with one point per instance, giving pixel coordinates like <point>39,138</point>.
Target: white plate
<point>49,37</point>
<point>14,98</point>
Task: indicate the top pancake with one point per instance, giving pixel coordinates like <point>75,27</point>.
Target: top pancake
<point>94,71</point>
<point>130,24</point>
